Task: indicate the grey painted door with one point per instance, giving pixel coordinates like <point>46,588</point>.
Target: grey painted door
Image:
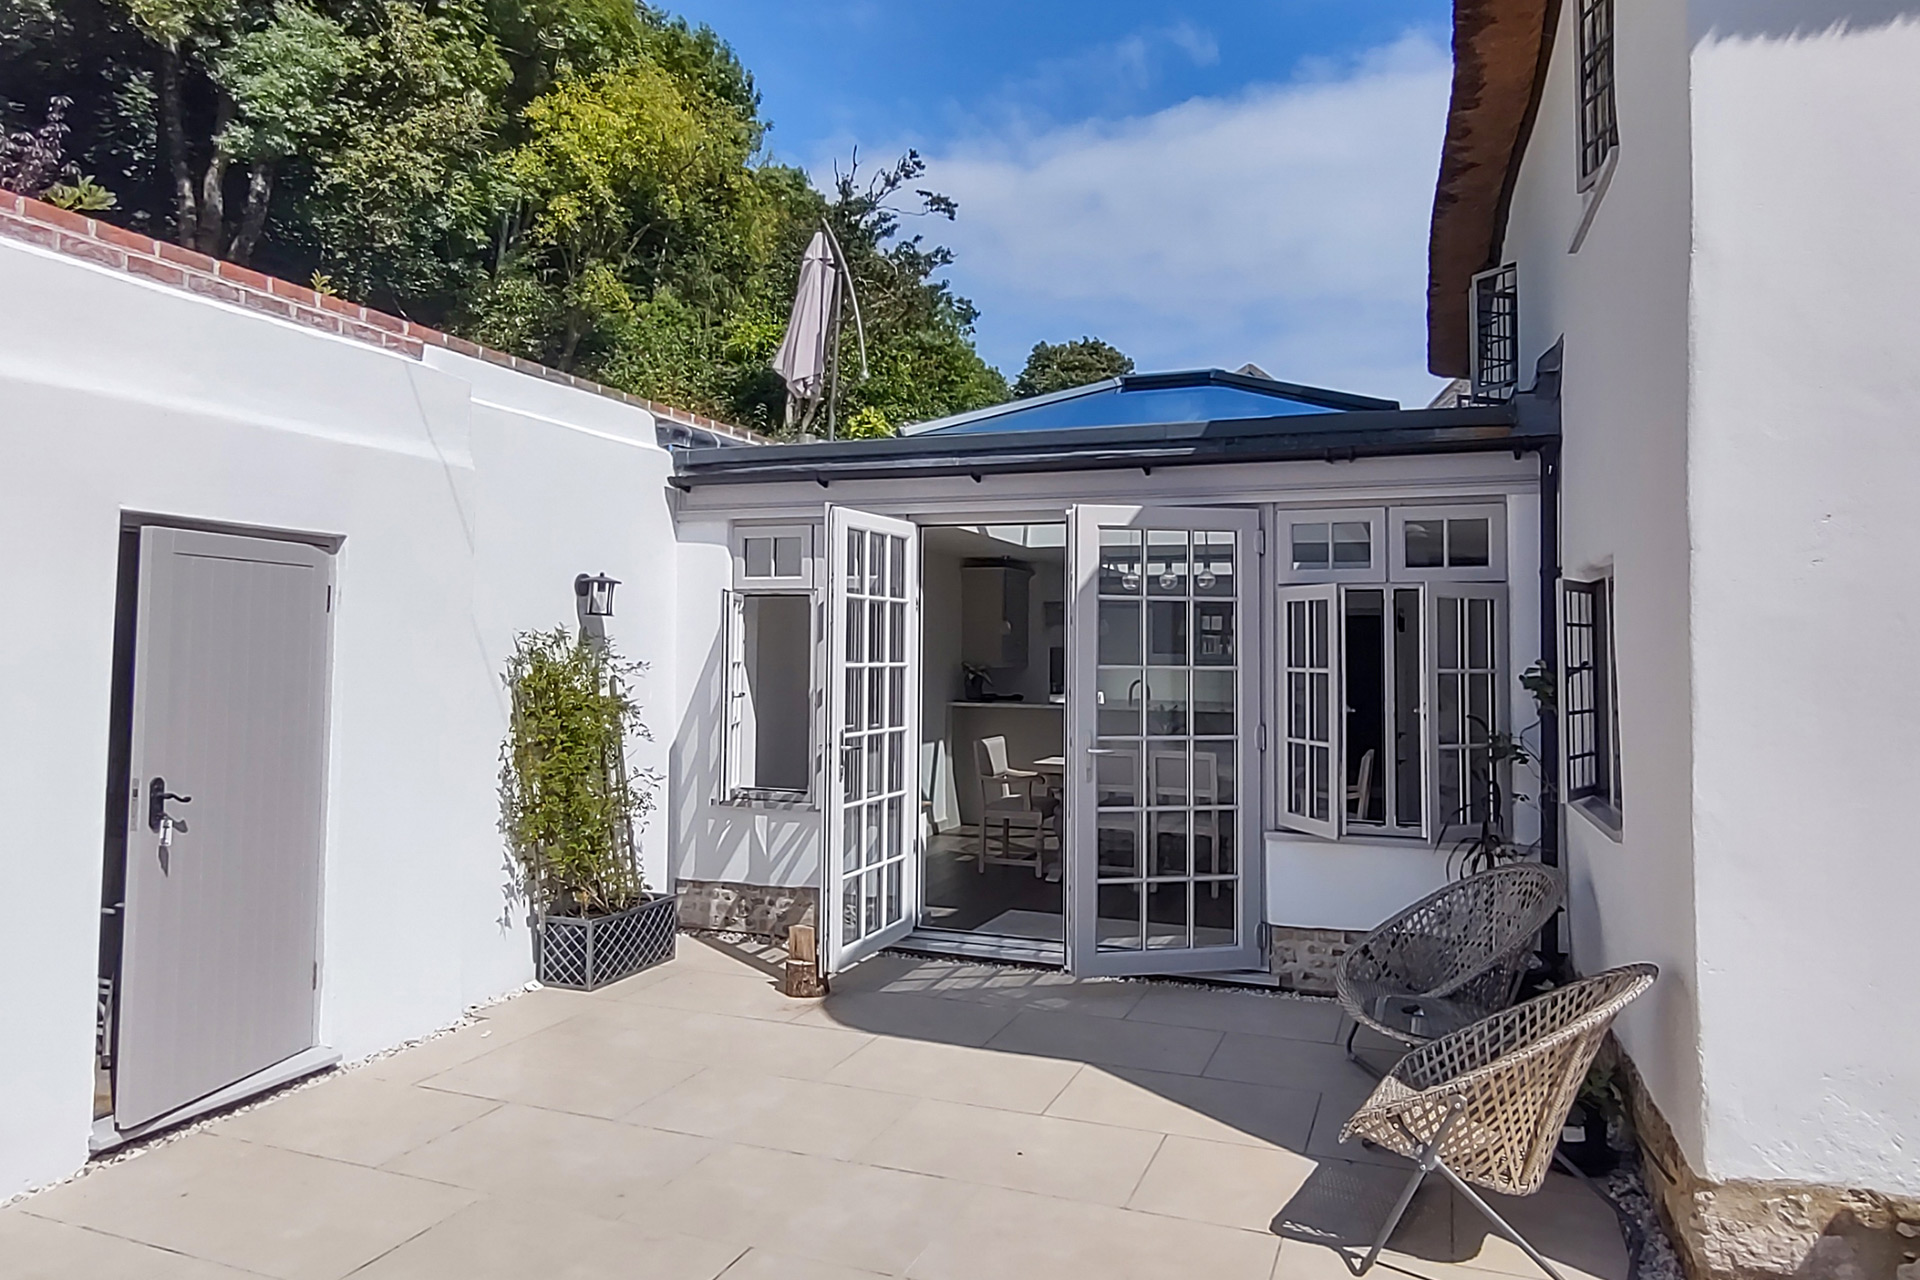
<point>220,960</point>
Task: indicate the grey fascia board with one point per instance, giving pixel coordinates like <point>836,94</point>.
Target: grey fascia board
<point>1371,434</point>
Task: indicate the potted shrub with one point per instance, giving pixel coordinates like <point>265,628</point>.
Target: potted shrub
<point>570,807</point>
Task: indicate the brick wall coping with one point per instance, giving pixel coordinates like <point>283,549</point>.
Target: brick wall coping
<point>103,244</point>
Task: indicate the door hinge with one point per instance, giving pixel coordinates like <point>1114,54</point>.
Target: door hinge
<point>1263,539</point>
<point>316,975</point>
<point>1263,737</point>
<point>329,597</point>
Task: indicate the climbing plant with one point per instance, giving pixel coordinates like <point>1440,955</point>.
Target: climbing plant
<point>569,803</point>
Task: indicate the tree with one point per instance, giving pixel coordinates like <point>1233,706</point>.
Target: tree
<point>582,182</point>
<point>1062,366</point>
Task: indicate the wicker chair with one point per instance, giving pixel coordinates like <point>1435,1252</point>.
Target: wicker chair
<point>1451,958</point>
<point>1486,1103</point>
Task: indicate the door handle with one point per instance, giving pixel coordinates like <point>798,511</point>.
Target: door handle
<point>157,797</point>
<point>1107,751</point>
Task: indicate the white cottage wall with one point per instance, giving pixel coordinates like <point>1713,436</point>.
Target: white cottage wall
<point>1806,174</point>
<point>1621,304</point>
<point>465,499</point>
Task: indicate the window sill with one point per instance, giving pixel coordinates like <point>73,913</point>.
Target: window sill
<point>1600,814</point>
<point>788,803</point>
<point>1593,191</point>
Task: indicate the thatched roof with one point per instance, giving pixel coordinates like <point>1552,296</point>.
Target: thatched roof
<point>1500,50</point>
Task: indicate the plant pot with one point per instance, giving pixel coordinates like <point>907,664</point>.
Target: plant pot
<point>585,952</point>
<point>1583,1140</point>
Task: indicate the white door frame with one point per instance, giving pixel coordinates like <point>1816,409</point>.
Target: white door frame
<point>1086,756</point>
<point>870,788</point>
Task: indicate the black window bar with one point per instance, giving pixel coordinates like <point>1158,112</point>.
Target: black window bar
<point>1599,125</point>
<point>1587,752</point>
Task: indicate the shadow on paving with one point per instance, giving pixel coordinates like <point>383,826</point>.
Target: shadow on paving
<point>1241,1059</point>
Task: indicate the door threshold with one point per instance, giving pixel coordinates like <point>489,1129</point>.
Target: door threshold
<point>106,1136</point>
<point>981,946</point>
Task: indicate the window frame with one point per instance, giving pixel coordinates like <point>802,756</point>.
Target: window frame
<point>1593,655</point>
<point>802,581</point>
<point>1495,570</point>
<point>733,693</point>
<point>1491,287</point>
<point>1286,517</point>
<point>1596,109</point>
<point>1487,582</point>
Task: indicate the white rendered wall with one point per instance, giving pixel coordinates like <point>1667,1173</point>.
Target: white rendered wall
<point>1621,303</point>
<point>466,497</point>
<point>1805,461</point>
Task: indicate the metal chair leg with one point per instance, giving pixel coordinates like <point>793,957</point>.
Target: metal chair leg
<point>1500,1224</point>
<point>1428,1162</point>
<point>1393,1220</point>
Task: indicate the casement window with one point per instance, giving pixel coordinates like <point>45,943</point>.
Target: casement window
<point>1390,698</point>
<point>1599,122</point>
<point>1590,704</point>
<point>769,702</point>
<point>1333,546</point>
<point>769,752</point>
<point>1456,544</point>
<point>1495,300</point>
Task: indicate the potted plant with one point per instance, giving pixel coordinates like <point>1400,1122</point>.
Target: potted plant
<point>570,807</point>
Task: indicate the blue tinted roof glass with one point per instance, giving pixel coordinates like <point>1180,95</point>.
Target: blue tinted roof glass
<point>1113,407</point>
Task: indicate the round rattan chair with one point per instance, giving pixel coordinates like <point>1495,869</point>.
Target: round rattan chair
<point>1451,958</point>
<point>1485,1104</point>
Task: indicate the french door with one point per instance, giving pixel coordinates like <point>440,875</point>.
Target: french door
<point>872,866</point>
<point>1164,865</point>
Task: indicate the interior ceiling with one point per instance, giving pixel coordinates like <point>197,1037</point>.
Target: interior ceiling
<point>955,540</point>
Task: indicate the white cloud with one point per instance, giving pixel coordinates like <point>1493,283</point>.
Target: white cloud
<point>1286,226</point>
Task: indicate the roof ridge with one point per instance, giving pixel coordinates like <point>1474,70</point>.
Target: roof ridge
<point>106,245</point>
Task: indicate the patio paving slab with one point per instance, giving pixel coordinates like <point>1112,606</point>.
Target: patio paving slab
<point>257,1208</point>
<point>1067,1158</point>
<point>930,1119</point>
<point>1191,1106</point>
<point>502,1239</point>
<point>356,1117</point>
<point>830,1211</point>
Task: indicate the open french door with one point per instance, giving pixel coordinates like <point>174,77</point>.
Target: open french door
<point>1164,865</point>
<point>871,891</point>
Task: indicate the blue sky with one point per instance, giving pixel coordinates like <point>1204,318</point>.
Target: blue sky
<point>1198,184</point>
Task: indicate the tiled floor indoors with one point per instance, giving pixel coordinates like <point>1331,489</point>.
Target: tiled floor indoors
<point>930,1119</point>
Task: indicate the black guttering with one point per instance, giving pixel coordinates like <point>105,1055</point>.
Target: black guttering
<point>1311,437</point>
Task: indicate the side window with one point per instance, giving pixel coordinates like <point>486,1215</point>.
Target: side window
<point>1590,702</point>
<point>769,704</point>
<point>766,556</point>
<point>1599,121</point>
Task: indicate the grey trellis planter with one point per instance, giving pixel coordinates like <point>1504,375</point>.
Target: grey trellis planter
<point>585,952</point>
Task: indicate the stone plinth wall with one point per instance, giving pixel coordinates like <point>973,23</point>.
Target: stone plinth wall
<point>1769,1230</point>
<point>1305,959</point>
<point>765,911</point>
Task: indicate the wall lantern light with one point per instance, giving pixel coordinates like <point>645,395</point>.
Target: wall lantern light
<point>596,594</point>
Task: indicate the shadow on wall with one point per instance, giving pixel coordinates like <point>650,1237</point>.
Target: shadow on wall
<point>771,847</point>
<point>1793,19</point>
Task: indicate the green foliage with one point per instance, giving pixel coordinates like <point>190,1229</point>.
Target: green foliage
<point>1065,365</point>
<point>866,423</point>
<point>568,802</point>
<point>578,181</point>
<point>82,195</point>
